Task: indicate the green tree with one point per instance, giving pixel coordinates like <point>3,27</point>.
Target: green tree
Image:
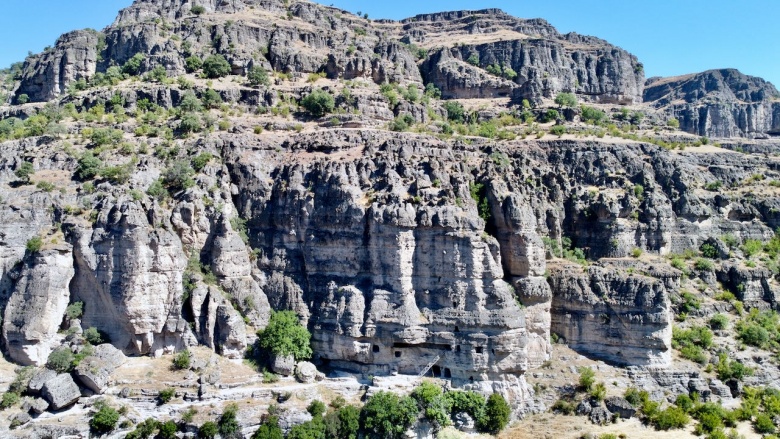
<point>319,103</point>
<point>208,430</point>
<point>22,99</point>
<point>158,74</point>
<point>166,395</point>
<point>89,166</point>
<point>316,408</point>
<point>24,172</point>
<point>228,424</point>
<point>216,66</point>
<point>497,413</point>
<point>455,111</point>
<point>258,76</point>
<point>182,360</point>
<point>168,430</point>
<point>104,420</point>
<point>178,176</point>
<point>388,416</point>
<point>284,335</point>
<point>34,244</point>
<point>190,123</point>
<point>566,100</point>
<point>211,99</point>
<point>201,160</point>
<point>349,422</point>
<point>193,64</point>
<point>133,66</point>
<point>190,103</point>
<point>269,430</point>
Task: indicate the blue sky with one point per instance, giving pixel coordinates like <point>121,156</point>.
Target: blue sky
<point>671,37</point>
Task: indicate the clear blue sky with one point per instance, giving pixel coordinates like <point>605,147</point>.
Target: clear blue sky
<point>671,37</point>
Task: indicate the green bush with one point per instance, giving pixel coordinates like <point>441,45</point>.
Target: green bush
<point>316,408</point>
<point>455,111</point>
<point>182,360</point>
<point>319,103</point>
<point>496,416</point>
<point>728,369</point>
<point>566,100</point>
<point>269,430</point>
<point>104,420</point>
<point>190,123</point>
<point>258,76</point>
<point>401,123</point>
<point>9,400</point>
<point>211,99</point>
<point>764,424</point>
<point>386,415</point>
<point>190,103</point>
<point>60,360</point>
<point>166,395</point>
<point>433,404</point>
<point>593,115</point>
<point>34,244</point>
<point>702,264</point>
<point>558,130</point>
<point>550,115</point>
<point>133,66</point>
<point>598,392</point>
<point>197,10</point>
<point>144,430</point>
<point>201,160</point>
<point>24,172</point>
<point>719,321</point>
<point>284,335</point>
<point>587,378</point>
<point>158,74</point>
<point>22,99</point>
<point>227,423</point>
<point>216,66</point>
<point>753,334</point>
<point>466,402</point>
<point>349,422</point>
<point>93,336</point>
<point>636,397</point>
<point>208,430</point>
<point>178,176</point>
<point>193,64</point>
<point>669,419</point>
<point>708,251</point>
<point>106,136</point>
<point>673,123</point>
<point>751,247</point>
<point>89,166</point>
<point>157,190</point>
<point>168,430</point>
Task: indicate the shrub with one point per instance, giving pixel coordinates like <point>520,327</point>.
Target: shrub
<point>558,130</point>
<point>550,115</point>
<point>208,430</point>
<point>157,190</point>
<point>673,123</point>
<point>197,10</point>
<point>702,264</point>
<point>496,416</point>
<point>455,111</point>
<point>178,176</point>
<point>728,369</point>
<point>670,418</point>
<point>22,99</point>
<point>431,401</point>
<point>158,74</point>
<point>9,400</point>
<point>708,251</point>
<point>284,335</point>
<point>227,423</point>
<point>269,430</point>
<point>401,123</point>
<point>752,334</point>
<point>75,310</point>
<point>193,64</point>
<point>168,430</point>
<point>24,172</point>
<point>587,378</point>
<point>133,65</point>
<point>89,166</point>
<point>566,100</point>
<point>104,420</point>
<point>386,415</point>
<point>166,395</point>
<point>190,123</point>
<point>598,392</point>
<point>473,59</point>
<point>751,247</point>
<point>316,408</point>
<point>216,66</point>
<point>34,244</point>
<point>93,336</point>
<point>106,136</point>
<point>144,430</point>
<point>182,360</point>
<point>764,424</point>
<point>201,160</point>
<point>258,76</point>
<point>349,422</point>
<point>190,103</point>
<point>719,321</point>
<point>636,252</point>
<point>319,103</point>
<point>636,397</point>
<point>211,99</point>
<point>593,115</point>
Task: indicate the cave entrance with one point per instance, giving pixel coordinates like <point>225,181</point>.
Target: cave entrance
<point>447,372</point>
<point>436,371</point>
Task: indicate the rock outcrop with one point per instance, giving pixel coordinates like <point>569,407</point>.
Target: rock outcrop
<point>95,371</point>
<point>718,103</point>
<point>60,391</point>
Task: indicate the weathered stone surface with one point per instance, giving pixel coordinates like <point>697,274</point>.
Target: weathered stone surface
<point>283,364</point>
<point>35,406</point>
<point>95,371</point>
<point>60,391</point>
<point>620,406</point>
<point>599,415</point>
<point>307,372</point>
<point>40,378</point>
<point>35,309</point>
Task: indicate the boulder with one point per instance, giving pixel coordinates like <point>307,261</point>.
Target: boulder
<point>600,415</point>
<point>584,408</point>
<point>620,406</point>
<point>39,379</point>
<point>61,391</point>
<point>307,372</point>
<point>283,364</point>
<point>95,371</point>
<point>35,406</point>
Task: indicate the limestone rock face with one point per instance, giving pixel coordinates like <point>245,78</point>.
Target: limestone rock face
<point>605,312</point>
<point>718,103</point>
<point>49,74</point>
<point>60,391</point>
<point>36,307</point>
<point>129,275</point>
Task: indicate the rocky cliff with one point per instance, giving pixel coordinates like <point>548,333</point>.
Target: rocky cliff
<point>343,168</point>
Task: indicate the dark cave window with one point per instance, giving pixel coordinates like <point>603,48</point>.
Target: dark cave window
<point>479,349</point>
<point>457,348</point>
<point>471,379</point>
<point>376,348</point>
<point>397,354</point>
<point>447,373</point>
<point>457,329</point>
<point>436,371</point>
